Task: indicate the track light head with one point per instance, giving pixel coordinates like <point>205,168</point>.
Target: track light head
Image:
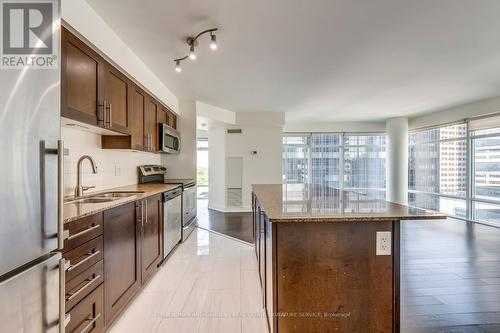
<point>192,55</point>
<point>178,68</point>
<point>213,43</point>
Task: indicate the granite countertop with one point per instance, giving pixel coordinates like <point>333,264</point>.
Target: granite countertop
<point>314,203</point>
<point>77,210</point>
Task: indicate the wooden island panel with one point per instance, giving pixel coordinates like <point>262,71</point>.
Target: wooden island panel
<point>330,279</point>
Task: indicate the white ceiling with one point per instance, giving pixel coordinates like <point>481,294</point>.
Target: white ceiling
<point>319,60</point>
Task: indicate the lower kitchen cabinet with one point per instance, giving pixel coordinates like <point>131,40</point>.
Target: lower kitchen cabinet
<point>122,270</point>
<point>151,240</point>
<point>87,316</point>
<point>110,255</point>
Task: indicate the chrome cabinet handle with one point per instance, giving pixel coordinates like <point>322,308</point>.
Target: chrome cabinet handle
<point>63,319</point>
<point>100,112</point>
<point>108,114</point>
<point>110,119</point>
<point>83,232</point>
<point>90,255</point>
<point>92,321</point>
<point>146,214</point>
<point>90,281</point>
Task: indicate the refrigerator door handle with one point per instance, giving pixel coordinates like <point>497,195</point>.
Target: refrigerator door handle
<point>63,318</point>
<point>60,152</point>
<point>61,234</point>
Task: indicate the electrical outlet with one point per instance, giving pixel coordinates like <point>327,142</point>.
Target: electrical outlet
<point>384,243</point>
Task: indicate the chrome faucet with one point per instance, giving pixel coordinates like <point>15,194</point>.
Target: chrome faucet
<point>79,189</point>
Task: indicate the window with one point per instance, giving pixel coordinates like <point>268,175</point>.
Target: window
<point>296,159</point>
<point>485,205</point>
<point>437,172</point>
<point>336,160</point>
<point>456,170</point>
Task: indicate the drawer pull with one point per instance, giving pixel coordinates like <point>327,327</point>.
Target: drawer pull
<point>92,321</point>
<point>83,232</point>
<point>90,255</point>
<point>88,284</point>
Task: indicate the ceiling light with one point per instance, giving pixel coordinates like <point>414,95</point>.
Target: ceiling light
<point>191,42</point>
<point>192,55</point>
<point>213,44</point>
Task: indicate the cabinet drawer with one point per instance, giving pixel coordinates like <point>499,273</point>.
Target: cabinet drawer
<point>83,230</point>
<point>83,284</point>
<point>87,316</point>
<point>82,257</point>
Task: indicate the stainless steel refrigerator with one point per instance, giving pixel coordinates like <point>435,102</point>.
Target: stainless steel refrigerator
<point>31,171</point>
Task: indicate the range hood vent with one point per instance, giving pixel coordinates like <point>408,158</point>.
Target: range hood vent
<point>234,131</point>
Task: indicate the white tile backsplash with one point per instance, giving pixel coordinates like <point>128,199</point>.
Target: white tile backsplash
<point>114,167</point>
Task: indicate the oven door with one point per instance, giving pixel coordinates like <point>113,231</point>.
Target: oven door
<point>189,204</point>
<point>169,139</point>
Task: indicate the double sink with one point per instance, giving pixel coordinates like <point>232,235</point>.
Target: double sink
<point>103,197</point>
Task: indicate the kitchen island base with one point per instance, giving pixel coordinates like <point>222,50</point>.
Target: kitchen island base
<point>323,273</point>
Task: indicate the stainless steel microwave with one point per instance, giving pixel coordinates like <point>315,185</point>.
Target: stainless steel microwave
<point>170,140</point>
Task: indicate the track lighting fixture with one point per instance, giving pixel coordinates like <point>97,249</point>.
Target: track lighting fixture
<point>192,42</point>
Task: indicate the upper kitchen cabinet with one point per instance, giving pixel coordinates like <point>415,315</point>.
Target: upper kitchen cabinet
<point>93,91</point>
<point>81,90</point>
<point>117,101</point>
<point>166,116</point>
<point>150,125</point>
<point>162,116</point>
<point>171,119</point>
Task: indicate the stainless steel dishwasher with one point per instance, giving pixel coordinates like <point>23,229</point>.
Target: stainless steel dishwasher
<point>172,220</point>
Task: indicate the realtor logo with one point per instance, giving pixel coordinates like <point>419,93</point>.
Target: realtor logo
<point>28,34</point>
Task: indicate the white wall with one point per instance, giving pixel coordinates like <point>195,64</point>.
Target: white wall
<point>262,168</point>
<point>82,17</point>
<point>261,132</point>
<point>183,165</point>
<point>339,127</point>
<point>115,167</point>
<point>217,168</point>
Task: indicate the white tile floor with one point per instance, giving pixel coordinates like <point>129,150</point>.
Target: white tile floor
<point>210,284</point>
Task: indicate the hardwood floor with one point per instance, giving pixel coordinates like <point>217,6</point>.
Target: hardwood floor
<point>450,277</point>
<point>237,225</point>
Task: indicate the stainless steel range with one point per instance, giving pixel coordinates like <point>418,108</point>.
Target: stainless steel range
<point>156,174</point>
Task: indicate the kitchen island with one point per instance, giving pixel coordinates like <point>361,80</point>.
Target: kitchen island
<point>328,258</point>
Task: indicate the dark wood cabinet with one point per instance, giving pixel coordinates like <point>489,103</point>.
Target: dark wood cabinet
<point>95,92</point>
<point>87,316</point>
<point>81,91</point>
<point>122,270</point>
<point>162,116</point>
<point>117,100</point>
<point>150,125</point>
<point>137,135</point>
<point>151,240</point>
